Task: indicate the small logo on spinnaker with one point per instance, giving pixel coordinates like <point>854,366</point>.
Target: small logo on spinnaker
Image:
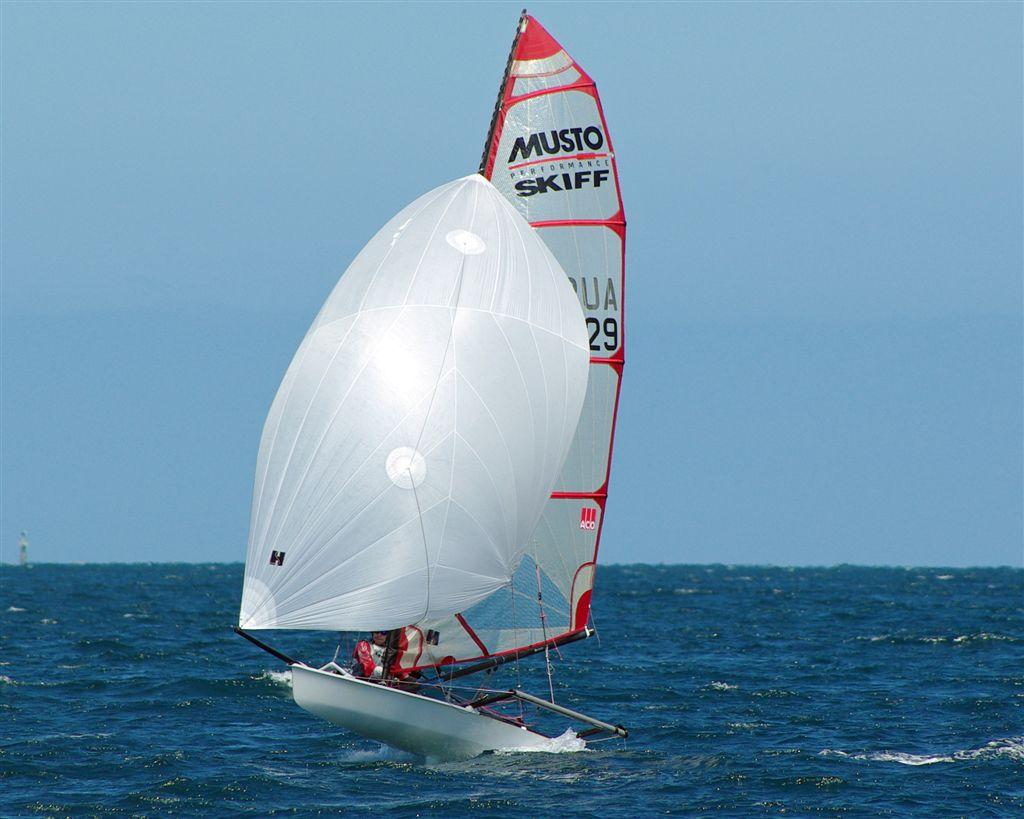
<point>588,518</point>
<point>276,558</point>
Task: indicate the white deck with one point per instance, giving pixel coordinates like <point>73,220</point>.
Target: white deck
<point>426,727</point>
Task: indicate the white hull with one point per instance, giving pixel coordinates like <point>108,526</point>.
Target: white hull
<point>426,727</point>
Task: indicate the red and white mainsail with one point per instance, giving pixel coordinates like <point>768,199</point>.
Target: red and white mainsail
<point>549,152</point>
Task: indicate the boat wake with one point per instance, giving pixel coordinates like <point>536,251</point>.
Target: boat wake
<point>1009,748</point>
<point>567,743</point>
<point>283,678</point>
<point>382,753</point>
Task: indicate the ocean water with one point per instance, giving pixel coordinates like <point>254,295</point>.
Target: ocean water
<point>748,691</point>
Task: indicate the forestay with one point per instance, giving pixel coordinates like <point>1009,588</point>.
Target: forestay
<point>421,426</point>
<point>549,152</point>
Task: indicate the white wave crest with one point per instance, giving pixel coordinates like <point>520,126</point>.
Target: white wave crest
<point>14,608</point>
<point>722,686</point>
<point>277,677</point>
<point>982,636</point>
<point>382,753</point>
<point>960,639</point>
<point>567,743</point>
<point>5,680</point>
<point>1010,748</point>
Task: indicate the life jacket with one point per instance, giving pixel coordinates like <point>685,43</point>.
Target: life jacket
<point>368,660</point>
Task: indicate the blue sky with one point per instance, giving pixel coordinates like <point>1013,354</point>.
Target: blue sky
<point>824,358</point>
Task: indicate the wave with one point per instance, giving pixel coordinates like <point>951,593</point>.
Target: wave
<point>1009,748</point>
<point>277,677</point>
<point>748,726</point>
<point>383,753</point>
<point>721,686</point>
<point>567,743</point>
<point>959,640</point>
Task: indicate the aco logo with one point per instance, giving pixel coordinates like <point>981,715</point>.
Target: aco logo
<point>588,518</point>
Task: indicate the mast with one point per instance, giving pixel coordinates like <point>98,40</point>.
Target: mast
<point>23,549</point>
<point>520,28</point>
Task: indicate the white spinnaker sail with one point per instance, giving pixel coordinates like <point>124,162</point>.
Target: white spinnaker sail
<point>549,152</point>
<point>421,426</point>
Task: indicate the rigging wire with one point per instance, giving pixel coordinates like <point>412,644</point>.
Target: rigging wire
<point>543,626</point>
<point>486,679</point>
<point>515,637</point>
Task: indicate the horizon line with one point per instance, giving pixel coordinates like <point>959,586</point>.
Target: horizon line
<point>31,564</point>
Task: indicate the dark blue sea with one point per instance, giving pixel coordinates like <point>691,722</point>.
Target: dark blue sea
<point>748,691</point>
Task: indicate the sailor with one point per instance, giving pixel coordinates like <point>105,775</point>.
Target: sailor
<point>368,656</point>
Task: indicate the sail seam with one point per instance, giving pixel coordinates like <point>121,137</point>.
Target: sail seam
<point>465,308</point>
<point>449,344</point>
<point>508,452</point>
<point>258,541</point>
<point>269,531</point>
<point>558,552</point>
<point>426,246</point>
<point>369,504</point>
<point>309,616</point>
<point>354,555</point>
<point>472,517</point>
<point>329,541</point>
<point>355,471</point>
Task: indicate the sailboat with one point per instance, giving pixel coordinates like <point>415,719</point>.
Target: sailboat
<point>435,462</point>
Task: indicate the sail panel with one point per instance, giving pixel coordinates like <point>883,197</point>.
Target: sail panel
<point>563,547</point>
<point>592,257</point>
<point>562,172</point>
<point>586,466</point>
<point>421,425</point>
<point>558,78</point>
